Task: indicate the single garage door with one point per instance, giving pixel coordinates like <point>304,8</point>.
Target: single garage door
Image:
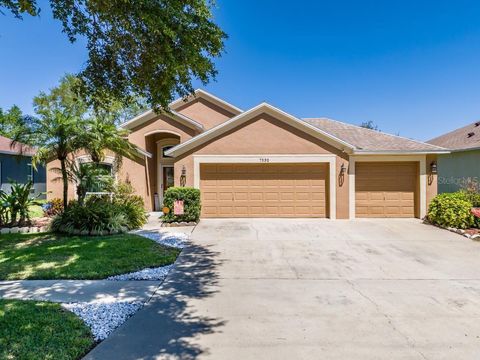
<point>385,190</point>
<point>264,190</point>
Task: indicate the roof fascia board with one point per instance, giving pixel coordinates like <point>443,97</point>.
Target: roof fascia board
<point>244,117</point>
<point>144,152</point>
<point>150,114</point>
<point>466,149</point>
<point>19,153</point>
<point>199,93</point>
<point>400,152</point>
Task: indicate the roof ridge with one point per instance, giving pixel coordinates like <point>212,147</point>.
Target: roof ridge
<point>377,131</point>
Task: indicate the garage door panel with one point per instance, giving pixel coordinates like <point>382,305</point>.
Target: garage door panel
<point>386,189</point>
<point>262,190</point>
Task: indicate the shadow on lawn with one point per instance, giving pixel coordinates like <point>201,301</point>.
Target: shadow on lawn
<point>167,326</point>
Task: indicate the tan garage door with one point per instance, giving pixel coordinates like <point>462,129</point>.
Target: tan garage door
<point>386,189</point>
<point>264,190</point>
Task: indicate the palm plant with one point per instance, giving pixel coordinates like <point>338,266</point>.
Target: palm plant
<point>100,134</point>
<point>4,208</point>
<point>66,124</point>
<point>57,129</point>
<point>21,202</point>
<point>16,204</point>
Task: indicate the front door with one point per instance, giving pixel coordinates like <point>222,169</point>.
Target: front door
<point>168,178</point>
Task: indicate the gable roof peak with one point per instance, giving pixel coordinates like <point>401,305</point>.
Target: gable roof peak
<point>203,94</point>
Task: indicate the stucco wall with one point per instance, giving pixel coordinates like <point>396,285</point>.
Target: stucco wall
<point>204,112</point>
<point>267,135</point>
<point>455,170</point>
<point>432,179</point>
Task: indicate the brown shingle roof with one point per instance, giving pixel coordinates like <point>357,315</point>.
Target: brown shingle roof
<point>467,137</point>
<point>18,148</point>
<point>370,140</point>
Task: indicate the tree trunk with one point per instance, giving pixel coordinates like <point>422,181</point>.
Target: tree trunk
<point>65,182</point>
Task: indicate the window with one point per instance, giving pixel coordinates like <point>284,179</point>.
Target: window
<point>165,149</point>
<point>103,175</point>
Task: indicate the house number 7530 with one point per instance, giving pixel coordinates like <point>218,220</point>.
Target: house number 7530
<point>264,160</point>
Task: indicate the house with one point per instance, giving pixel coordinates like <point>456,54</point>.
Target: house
<point>264,162</point>
<point>16,165</point>
<point>460,168</point>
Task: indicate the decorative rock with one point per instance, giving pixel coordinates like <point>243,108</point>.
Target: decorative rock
<point>460,231</point>
<point>183,223</point>
<point>475,237</point>
<point>5,231</point>
<point>14,230</point>
<point>23,230</point>
<point>158,273</point>
<point>173,239</point>
<point>103,318</point>
<point>33,229</point>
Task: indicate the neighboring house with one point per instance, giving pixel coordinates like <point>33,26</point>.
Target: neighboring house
<point>16,165</point>
<point>264,162</point>
<point>460,168</point>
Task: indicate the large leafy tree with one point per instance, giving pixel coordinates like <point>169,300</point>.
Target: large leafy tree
<point>150,48</point>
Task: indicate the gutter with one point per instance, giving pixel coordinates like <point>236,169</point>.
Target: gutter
<point>400,152</point>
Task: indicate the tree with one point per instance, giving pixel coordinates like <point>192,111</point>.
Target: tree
<point>57,127</point>
<point>149,49</point>
<point>369,125</point>
<point>10,120</point>
<point>66,124</point>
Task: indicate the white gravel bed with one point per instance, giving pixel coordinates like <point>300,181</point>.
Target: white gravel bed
<point>173,239</point>
<point>158,273</point>
<point>103,318</point>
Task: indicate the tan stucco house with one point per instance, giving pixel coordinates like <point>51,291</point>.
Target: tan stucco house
<point>264,162</point>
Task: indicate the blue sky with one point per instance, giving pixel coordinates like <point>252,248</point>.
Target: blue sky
<point>412,67</point>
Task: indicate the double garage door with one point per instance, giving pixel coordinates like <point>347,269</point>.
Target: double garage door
<point>382,189</point>
<point>264,190</point>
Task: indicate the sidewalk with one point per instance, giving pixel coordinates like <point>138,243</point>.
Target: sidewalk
<point>89,291</point>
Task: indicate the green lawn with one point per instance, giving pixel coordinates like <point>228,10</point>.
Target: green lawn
<point>50,256</point>
<point>41,330</point>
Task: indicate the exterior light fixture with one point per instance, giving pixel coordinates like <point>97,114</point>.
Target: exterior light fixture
<point>343,169</point>
<point>433,167</point>
<point>183,176</point>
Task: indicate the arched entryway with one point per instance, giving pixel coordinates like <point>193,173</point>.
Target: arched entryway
<point>160,167</point>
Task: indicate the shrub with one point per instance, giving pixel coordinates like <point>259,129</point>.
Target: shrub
<point>472,196</point>
<point>451,210</point>
<point>53,207</point>
<point>132,205</point>
<point>134,209</point>
<point>15,205</point>
<point>93,218</point>
<point>191,204</point>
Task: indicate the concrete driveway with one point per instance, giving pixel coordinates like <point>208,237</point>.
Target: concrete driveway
<point>312,289</point>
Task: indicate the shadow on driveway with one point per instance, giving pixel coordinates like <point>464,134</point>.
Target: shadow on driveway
<point>167,325</point>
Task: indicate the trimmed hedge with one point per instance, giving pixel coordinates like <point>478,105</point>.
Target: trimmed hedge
<point>191,204</point>
<point>452,210</point>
